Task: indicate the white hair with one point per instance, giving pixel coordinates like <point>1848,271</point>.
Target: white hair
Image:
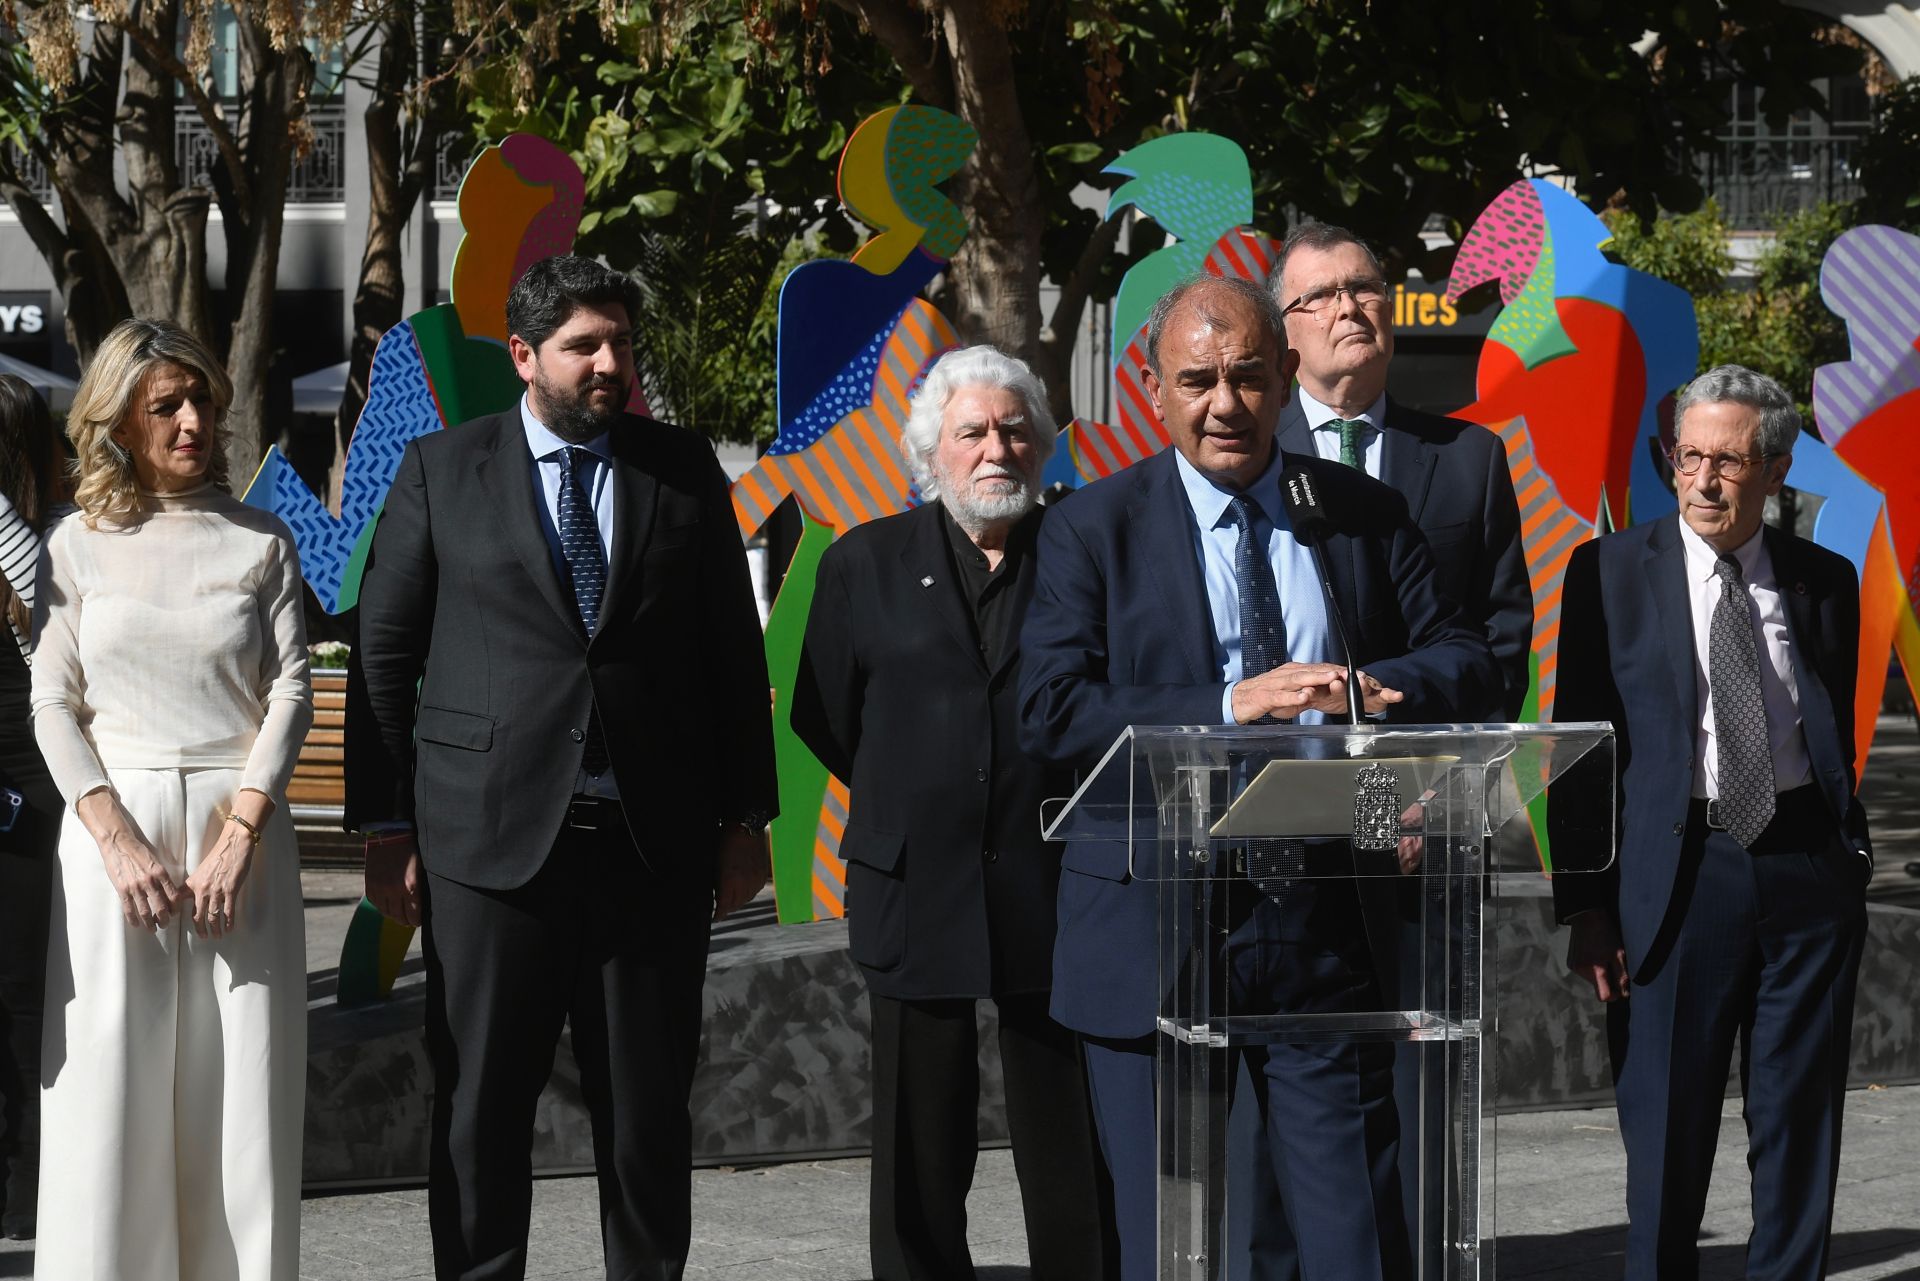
<point>981,366</point>
<point>1779,420</point>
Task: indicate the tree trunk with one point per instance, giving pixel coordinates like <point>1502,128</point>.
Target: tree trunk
<point>960,60</point>
<point>996,273</point>
<point>397,177</point>
<point>1055,349</point>
<point>252,218</point>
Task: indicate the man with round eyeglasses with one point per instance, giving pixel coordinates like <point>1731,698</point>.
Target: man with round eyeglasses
<point>1724,653</point>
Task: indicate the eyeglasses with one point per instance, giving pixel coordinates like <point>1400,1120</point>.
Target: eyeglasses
<point>1365,293</point>
<point>1688,461</point>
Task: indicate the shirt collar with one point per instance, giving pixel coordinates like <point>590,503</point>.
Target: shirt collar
<point>1209,500</point>
<point>1318,415</point>
<point>543,443</point>
<point>1701,557</point>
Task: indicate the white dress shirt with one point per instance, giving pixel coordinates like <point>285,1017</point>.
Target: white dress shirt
<point>1779,688</point>
<point>1327,441</point>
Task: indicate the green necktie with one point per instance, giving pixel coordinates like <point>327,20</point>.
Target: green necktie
<point>1349,430</point>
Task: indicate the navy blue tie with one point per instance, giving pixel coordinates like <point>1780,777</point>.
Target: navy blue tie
<point>1271,864</point>
<point>1263,627</point>
<point>587,572</point>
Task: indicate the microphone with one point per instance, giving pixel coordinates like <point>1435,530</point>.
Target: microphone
<point>1300,495</point>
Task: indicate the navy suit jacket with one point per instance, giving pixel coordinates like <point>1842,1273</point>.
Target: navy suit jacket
<point>1454,477</point>
<point>1627,656</point>
<point>1119,633</point>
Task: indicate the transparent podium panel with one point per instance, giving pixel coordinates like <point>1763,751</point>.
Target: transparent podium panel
<point>1325,975</point>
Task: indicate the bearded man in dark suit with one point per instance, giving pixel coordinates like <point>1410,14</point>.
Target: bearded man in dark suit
<point>564,764</point>
<point>908,691</point>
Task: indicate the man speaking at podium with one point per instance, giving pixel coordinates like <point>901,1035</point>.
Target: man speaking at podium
<point>1176,593</point>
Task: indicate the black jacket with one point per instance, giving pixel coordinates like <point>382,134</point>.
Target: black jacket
<point>461,600</point>
<point>950,890</point>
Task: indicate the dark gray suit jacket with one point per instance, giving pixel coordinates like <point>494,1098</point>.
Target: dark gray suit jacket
<point>461,601</point>
<point>1454,477</point>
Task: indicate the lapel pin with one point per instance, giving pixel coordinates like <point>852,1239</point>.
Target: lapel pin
<point>928,582</point>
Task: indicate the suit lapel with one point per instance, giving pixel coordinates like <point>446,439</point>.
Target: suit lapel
<point>506,473</point>
<point>1666,567</point>
<point>930,569</point>
<point>1407,460</point>
<point>1294,436</point>
<point>636,495</point>
<point>1163,531</point>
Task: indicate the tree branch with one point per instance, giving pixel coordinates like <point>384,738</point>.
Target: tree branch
<point>906,32</point>
<point>1062,333</point>
<point>208,110</point>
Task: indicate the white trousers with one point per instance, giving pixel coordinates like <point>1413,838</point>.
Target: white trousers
<point>174,1067</point>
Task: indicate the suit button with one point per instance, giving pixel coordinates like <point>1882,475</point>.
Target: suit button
<point>980,775</point>
<point>1679,829</point>
<point>991,857</point>
<point>577,735</point>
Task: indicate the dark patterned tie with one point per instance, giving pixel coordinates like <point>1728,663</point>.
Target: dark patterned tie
<point>1741,741</point>
<point>587,572</point>
<point>1350,431</point>
<point>1272,864</point>
<point>1263,628</point>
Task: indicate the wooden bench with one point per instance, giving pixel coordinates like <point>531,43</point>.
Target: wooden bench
<point>317,793</point>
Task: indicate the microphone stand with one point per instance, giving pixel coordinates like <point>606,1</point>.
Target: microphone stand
<point>1360,723</point>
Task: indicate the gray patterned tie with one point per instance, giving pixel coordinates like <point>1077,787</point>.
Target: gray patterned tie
<point>587,572</point>
<point>1741,741</point>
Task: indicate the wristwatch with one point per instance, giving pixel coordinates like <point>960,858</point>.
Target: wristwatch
<point>754,821</point>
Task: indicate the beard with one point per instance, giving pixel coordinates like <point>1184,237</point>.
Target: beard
<point>975,509</point>
<point>571,414</point>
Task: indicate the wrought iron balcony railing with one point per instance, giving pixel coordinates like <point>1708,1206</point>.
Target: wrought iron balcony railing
<point>1758,178</point>
<point>318,178</point>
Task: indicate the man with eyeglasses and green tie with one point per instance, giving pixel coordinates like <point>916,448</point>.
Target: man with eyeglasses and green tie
<point>1339,316</point>
<point>1724,653</point>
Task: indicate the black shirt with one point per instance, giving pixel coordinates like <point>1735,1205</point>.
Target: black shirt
<point>987,591</point>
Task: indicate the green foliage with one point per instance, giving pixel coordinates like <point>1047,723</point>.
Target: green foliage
<point>1377,114</point>
<point>1889,160</point>
<point>675,142</point>
<point>704,360</point>
<point>1772,321</point>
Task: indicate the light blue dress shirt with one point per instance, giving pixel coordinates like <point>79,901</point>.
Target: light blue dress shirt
<point>544,448</point>
<point>1327,443</point>
<point>1303,605</point>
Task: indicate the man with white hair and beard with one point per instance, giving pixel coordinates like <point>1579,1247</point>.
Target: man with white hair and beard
<point>907,692</point>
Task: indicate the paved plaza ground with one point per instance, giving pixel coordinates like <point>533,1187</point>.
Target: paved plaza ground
<point>1561,1176</point>
<point>1561,1185</point>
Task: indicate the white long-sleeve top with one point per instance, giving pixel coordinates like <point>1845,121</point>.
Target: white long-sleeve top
<point>172,640</point>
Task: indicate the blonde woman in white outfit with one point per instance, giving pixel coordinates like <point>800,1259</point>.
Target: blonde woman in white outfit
<point>170,697</point>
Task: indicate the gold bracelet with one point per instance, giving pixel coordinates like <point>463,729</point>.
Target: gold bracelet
<point>253,833</point>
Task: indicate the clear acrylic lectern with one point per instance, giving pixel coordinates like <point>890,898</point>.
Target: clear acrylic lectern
<point>1215,816</point>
